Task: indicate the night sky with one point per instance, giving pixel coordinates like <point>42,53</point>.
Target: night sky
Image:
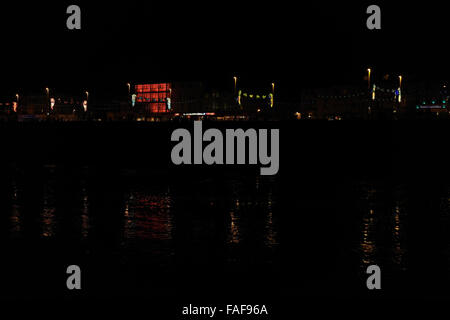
<point>292,43</point>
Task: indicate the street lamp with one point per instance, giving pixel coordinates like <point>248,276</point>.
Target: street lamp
<point>400,78</point>
<point>129,87</point>
<point>369,109</point>
<point>87,95</point>
<point>235,84</point>
<point>273,88</point>
<point>15,104</point>
<point>47,91</point>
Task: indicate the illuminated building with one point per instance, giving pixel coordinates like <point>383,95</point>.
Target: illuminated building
<point>159,99</point>
<point>154,98</point>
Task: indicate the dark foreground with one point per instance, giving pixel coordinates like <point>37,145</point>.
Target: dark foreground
<point>106,198</point>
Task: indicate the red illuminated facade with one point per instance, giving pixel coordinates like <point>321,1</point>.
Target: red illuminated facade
<point>155,98</point>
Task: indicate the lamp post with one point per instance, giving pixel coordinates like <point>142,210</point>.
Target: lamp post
<point>235,84</point>
<point>47,91</point>
<point>16,104</point>
<point>400,78</point>
<point>273,95</point>
<point>369,108</point>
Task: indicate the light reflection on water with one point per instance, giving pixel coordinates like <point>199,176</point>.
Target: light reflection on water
<point>271,234</point>
<point>398,235</point>
<point>241,215</point>
<point>254,202</point>
<point>368,244</point>
<point>85,223</point>
<point>16,215</point>
<point>234,234</point>
<point>48,218</point>
<point>383,235</point>
<point>148,216</point>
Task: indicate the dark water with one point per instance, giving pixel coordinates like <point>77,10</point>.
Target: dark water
<point>207,225</point>
<point>132,225</point>
<point>403,227</point>
<point>347,196</point>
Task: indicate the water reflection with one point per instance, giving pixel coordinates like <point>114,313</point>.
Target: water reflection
<point>48,223</point>
<point>252,208</point>
<point>85,226</point>
<point>398,235</point>
<point>129,219</point>
<point>148,216</point>
<point>368,244</point>
<point>270,235</point>
<point>234,234</point>
<point>16,214</point>
<point>383,236</point>
<point>237,220</point>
